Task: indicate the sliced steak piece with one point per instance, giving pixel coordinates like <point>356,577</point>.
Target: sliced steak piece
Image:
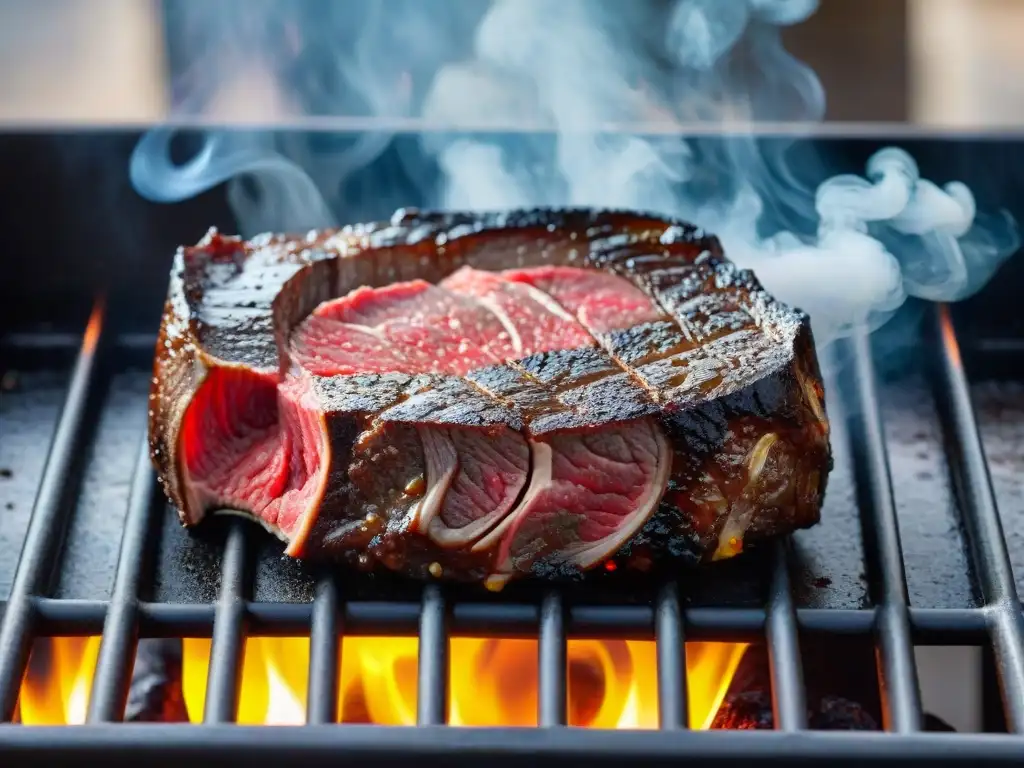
<point>693,337</point>
<point>539,324</point>
<point>565,382</point>
<point>412,327</point>
<point>600,301</point>
<point>589,493</point>
<point>418,327</point>
<point>372,429</point>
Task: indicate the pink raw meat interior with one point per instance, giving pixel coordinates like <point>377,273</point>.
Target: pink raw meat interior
<point>540,324</point>
<point>253,445</point>
<point>589,493</point>
<point>412,327</point>
<point>600,301</point>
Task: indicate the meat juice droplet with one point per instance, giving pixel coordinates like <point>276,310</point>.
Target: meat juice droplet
<point>416,486</point>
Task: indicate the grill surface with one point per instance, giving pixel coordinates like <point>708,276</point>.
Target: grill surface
<point>87,465</point>
<point>909,549</point>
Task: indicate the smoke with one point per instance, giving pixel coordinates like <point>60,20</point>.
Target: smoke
<point>517,103</point>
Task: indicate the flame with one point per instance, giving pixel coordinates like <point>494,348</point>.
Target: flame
<point>611,683</point>
<point>58,680</point>
<point>949,337</point>
<point>93,328</point>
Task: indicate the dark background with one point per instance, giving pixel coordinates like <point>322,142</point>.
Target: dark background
<point>73,225</point>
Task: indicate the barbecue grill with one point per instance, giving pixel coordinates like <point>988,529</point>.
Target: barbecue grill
<point>903,556</point>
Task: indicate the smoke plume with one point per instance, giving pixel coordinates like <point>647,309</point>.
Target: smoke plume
<point>518,103</point>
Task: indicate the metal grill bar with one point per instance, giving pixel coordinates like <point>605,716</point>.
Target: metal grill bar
<point>358,745</point>
<point>432,680</point>
<point>552,672</point>
<point>228,645</point>
<point>325,631</point>
<point>120,631</point>
<point>901,699</point>
<point>981,521</point>
<point>673,706</point>
<point>788,700</point>
<point>930,626</point>
<point>232,618</point>
<point>46,526</point>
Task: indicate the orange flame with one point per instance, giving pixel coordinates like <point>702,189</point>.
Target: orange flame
<point>58,680</point>
<point>611,683</point>
<point>93,328</point>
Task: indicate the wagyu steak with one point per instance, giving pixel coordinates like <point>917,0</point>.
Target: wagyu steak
<point>481,397</point>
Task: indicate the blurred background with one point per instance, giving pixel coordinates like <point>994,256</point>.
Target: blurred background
<point>935,64</point>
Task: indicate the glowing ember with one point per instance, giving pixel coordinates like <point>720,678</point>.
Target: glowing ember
<point>611,684</point>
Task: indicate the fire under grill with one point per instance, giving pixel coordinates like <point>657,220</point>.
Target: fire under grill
<point>102,556</point>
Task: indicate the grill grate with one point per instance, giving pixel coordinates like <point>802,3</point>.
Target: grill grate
<point>892,621</point>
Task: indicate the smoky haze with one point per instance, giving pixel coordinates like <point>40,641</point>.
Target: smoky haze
<point>570,103</point>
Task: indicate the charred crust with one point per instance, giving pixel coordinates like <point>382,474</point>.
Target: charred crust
<point>234,303</point>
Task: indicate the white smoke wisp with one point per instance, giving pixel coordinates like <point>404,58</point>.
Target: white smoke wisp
<point>849,253</point>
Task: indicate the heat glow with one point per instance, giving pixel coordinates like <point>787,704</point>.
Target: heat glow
<point>493,682</point>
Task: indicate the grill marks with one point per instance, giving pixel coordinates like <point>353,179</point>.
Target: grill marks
<point>694,337</point>
<point>574,401</point>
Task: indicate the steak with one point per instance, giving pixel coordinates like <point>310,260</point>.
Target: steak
<point>480,397</point>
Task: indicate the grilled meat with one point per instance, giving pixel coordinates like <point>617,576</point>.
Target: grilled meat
<point>479,397</point>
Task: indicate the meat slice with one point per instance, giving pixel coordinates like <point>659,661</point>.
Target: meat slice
<point>566,380</point>
<point>234,449</point>
<point>473,480</point>
<point>416,327</point>
<point>492,395</point>
<point>589,494</point>
<point>600,301</point>
<point>628,324</point>
<point>411,327</point>
<point>539,324</point>
<point>563,380</point>
<point>252,446</point>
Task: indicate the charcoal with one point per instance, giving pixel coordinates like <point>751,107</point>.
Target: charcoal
<point>155,694</point>
<point>752,710</point>
<point>841,696</point>
<point>933,723</point>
